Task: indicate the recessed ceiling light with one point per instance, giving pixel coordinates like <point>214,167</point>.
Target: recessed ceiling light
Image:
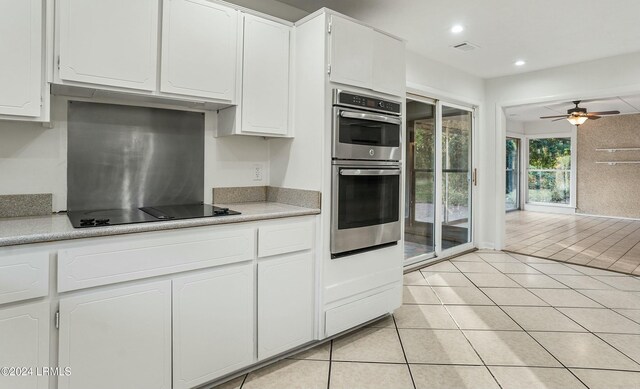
<point>519,63</point>
<point>457,29</point>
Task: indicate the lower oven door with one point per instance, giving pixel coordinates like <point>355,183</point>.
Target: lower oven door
<point>365,205</point>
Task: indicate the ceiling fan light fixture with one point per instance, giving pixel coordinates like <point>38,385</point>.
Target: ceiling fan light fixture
<point>577,120</point>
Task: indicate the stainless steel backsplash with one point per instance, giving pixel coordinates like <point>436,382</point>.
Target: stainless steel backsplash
<point>126,157</point>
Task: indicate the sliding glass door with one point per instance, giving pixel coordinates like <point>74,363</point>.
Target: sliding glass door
<point>438,191</point>
<point>419,235</point>
<point>512,195</point>
<point>456,176</point>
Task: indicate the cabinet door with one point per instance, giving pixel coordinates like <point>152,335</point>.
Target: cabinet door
<point>112,43</point>
<point>213,330</point>
<point>199,49</point>
<point>24,341</point>
<point>389,65</point>
<point>119,338</point>
<point>285,303</point>
<point>351,53</point>
<point>21,53</point>
<point>265,81</point>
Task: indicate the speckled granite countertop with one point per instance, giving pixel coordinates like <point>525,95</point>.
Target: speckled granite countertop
<point>36,229</point>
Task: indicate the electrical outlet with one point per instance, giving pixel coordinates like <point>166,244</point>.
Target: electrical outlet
<point>257,172</point>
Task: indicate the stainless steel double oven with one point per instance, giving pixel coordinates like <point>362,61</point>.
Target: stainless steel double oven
<point>366,173</point>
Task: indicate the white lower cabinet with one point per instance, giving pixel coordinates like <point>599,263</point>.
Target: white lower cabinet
<point>213,324</point>
<point>24,342</point>
<point>117,338</point>
<point>285,303</point>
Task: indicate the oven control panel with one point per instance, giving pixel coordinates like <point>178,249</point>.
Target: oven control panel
<point>366,102</point>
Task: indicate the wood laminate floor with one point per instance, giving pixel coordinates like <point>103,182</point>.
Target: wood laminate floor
<point>599,242</point>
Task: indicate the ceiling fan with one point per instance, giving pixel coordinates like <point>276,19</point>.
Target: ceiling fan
<point>577,115</point>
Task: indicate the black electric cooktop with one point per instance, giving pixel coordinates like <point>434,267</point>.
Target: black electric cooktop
<point>112,217</point>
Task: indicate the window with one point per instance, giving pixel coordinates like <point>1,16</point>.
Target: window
<point>549,172</point>
<point>512,195</point>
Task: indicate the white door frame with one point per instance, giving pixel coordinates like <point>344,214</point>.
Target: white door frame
<point>501,134</point>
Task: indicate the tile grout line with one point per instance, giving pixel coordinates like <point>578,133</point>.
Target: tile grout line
<point>585,328</point>
<point>330,363</point>
<point>595,243</point>
<point>243,380</point>
<point>525,331</point>
<point>462,332</point>
<point>395,325</point>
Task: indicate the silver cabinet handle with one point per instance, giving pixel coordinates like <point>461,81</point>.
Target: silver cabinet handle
<point>370,116</point>
<point>370,172</point>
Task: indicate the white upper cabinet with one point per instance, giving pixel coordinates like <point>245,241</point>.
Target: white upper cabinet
<point>351,53</point>
<point>112,43</point>
<point>389,67</point>
<point>199,49</point>
<point>21,48</point>
<point>363,57</point>
<point>265,86</point>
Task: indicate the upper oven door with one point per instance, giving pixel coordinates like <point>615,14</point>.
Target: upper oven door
<point>366,135</point>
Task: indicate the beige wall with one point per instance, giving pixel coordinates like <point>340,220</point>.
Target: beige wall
<point>603,189</point>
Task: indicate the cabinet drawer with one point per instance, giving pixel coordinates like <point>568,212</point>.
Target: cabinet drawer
<point>122,259</point>
<point>358,312</point>
<point>285,238</point>
<point>23,275</point>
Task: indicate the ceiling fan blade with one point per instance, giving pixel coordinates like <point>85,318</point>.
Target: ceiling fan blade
<point>594,117</point>
<point>604,113</point>
<point>555,120</point>
<point>553,117</point>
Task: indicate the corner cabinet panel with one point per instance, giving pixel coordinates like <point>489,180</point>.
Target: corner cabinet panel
<point>199,49</point>
<point>24,342</point>
<point>21,52</point>
<point>351,53</point>
<point>112,43</point>
<point>265,82</point>
<point>213,324</point>
<point>285,304</point>
<point>118,338</point>
<point>389,67</point>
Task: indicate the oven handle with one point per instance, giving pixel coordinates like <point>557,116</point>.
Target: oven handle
<point>370,116</point>
<point>370,172</point>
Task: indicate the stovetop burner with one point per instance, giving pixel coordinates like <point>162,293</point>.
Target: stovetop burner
<point>112,217</point>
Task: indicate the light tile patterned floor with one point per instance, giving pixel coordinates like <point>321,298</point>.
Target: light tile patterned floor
<point>484,320</point>
<point>599,242</point>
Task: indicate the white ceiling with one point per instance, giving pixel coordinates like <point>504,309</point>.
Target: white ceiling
<point>529,113</point>
<point>544,33</point>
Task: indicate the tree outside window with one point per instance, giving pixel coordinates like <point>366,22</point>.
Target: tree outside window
<point>549,171</point>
